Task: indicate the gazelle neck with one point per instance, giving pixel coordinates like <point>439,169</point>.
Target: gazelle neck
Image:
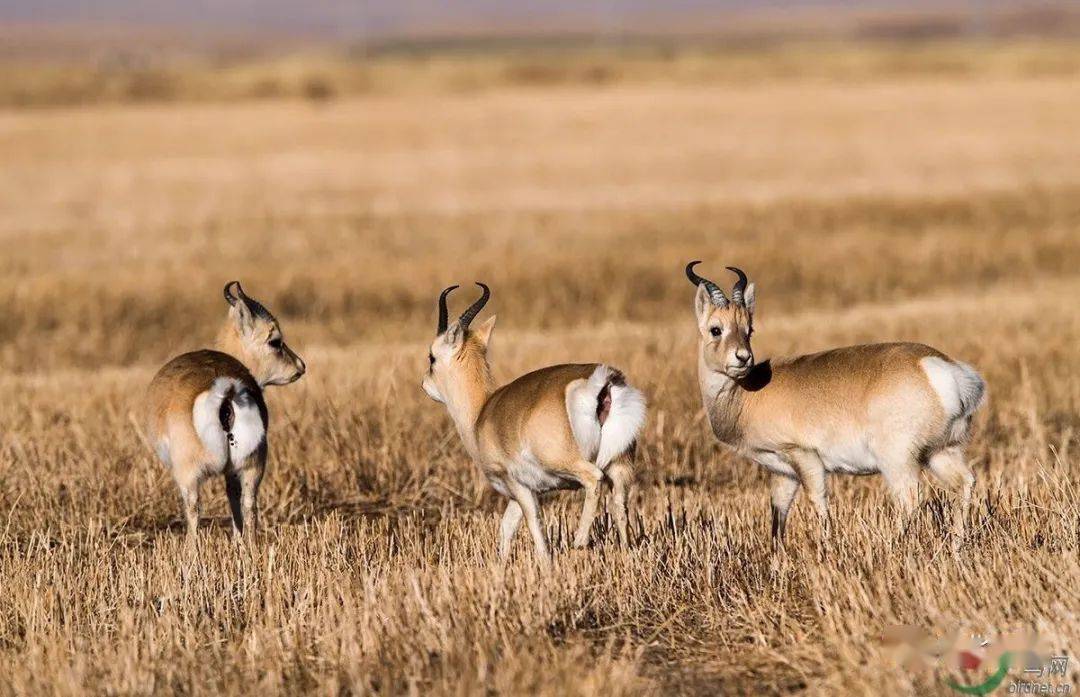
<point>467,398</point>
<point>723,399</point>
<point>230,342</point>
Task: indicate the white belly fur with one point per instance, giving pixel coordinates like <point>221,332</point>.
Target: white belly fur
<point>527,471</point>
<point>854,458</point>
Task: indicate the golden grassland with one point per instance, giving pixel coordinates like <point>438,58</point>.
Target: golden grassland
<point>941,210</point>
<point>122,74</point>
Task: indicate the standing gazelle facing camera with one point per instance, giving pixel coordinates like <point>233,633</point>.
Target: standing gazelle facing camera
<point>206,414</point>
<point>561,427</point>
<point>888,409</point>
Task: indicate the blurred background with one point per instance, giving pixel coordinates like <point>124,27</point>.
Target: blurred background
<point>70,52</point>
<point>347,160</point>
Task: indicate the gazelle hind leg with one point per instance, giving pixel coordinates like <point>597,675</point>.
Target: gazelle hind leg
<point>250,479</point>
<point>234,492</point>
<point>590,477</point>
<point>950,468</point>
<point>621,475</point>
<point>242,487</point>
<point>189,492</point>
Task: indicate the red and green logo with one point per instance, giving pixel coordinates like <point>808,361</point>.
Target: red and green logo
<point>969,661</point>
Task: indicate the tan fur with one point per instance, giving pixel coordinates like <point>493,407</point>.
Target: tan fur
<point>172,393</point>
<point>863,379</point>
<point>530,412</point>
<point>859,410</point>
<point>520,435</point>
<point>248,362</point>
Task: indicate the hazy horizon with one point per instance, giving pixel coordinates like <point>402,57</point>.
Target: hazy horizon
<point>386,18</point>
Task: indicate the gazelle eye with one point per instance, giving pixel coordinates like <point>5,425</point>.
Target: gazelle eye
<point>275,344</point>
<point>715,331</point>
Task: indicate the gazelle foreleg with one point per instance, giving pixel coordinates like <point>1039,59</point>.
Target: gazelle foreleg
<point>811,471</point>
<point>509,525</point>
<point>782,495</point>
<point>530,508</point>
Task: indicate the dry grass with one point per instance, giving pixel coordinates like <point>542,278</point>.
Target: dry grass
<point>938,211</point>
<point>146,74</point>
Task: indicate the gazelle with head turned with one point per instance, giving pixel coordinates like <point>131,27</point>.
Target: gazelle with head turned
<point>206,414</point>
<point>889,409</point>
<point>561,427</point>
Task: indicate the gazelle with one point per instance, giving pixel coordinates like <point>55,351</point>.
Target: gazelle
<point>206,414</point>
<point>555,428</point>
<point>888,409</point>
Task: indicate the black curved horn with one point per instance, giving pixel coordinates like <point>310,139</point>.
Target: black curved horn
<point>739,288</point>
<point>444,315</point>
<point>229,297</point>
<point>468,315</point>
<point>715,294</point>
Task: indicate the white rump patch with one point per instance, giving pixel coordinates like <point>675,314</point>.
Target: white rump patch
<point>959,387</point>
<point>602,444</point>
<point>248,429</point>
<point>581,397</point>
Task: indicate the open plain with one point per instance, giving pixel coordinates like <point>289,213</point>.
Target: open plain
<point>936,208</point>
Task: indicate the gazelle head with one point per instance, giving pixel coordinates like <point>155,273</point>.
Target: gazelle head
<point>725,324</point>
<point>253,336</point>
<point>457,360</point>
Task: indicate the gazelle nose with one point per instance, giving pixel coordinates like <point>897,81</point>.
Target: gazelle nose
<point>743,355</point>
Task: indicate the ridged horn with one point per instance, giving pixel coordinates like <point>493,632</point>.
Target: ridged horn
<point>739,288</point>
<point>468,315</point>
<point>715,294</point>
<point>231,297</point>
<point>444,315</point>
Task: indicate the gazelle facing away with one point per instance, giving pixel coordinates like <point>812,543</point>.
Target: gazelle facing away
<point>888,409</point>
<point>206,414</point>
<point>555,428</point>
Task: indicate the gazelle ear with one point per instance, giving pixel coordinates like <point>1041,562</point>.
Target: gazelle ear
<point>239,309</point>
<point>702,304</point>
<point>748,298</point>
<point>483,332</point>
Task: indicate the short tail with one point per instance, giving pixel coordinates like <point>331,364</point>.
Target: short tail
<point>606,415</point>
<point>971,389</point>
